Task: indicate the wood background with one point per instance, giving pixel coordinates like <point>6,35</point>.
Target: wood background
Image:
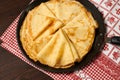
<point>11,67</point>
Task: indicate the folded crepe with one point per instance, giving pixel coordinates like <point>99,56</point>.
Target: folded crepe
<point>81,32</point>
<point>65,10</point>
<point>36,31</point>
<point>27,41</point>
<point>59,52</point>
<point>44,10</point>
<point>58,33</point>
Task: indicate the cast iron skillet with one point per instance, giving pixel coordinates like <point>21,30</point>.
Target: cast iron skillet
<point>97,45</point>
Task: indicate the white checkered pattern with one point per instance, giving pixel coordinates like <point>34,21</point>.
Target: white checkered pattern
<point>93,70</point>
<point>105,67</point>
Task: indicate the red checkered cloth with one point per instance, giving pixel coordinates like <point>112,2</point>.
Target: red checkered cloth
<point>104,67</point>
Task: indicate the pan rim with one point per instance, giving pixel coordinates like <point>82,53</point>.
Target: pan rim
<point>96,48</point>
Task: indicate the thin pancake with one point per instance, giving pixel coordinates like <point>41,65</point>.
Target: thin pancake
<point>57,52</point>
<point>58,33</point>
<point>65,10</point>
<point>44,10</point>
<point>81,32</point>
<point>38,24</point>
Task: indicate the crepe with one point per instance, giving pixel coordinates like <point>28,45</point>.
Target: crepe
<point>37,35</point>
<point>44,10</point>
<point>57,53</point>
<point>58,33</point>
<point>65,10</point>
<point>81,32</point>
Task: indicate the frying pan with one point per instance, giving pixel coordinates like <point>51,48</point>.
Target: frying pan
<point>99,41</point>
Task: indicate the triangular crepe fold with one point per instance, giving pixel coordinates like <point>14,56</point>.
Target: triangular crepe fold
<point>81,32</point>
<point>44,10</point>
<point>50,30</point>
<point>72,46</point>
<point>57,52</point>
<point>52,5</point>
<point>39,19</point>
<point>65,10</point>
<point>39,23</point>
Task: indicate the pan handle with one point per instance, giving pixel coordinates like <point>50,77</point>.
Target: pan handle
<point>115,40</point>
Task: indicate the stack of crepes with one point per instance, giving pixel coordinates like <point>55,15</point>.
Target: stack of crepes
<point>58,33</point>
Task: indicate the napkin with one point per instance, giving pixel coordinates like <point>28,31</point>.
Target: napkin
<point>104,67</point>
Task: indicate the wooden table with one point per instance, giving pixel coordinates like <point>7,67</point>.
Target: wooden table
<point>11,67</point>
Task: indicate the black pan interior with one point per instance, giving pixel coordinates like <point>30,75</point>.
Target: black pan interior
<point>97,45</point>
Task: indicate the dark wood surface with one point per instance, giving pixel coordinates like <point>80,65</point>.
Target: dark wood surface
<point>11,67</point>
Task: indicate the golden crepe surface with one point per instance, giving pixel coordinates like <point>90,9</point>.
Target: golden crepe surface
<point>58,33</point>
